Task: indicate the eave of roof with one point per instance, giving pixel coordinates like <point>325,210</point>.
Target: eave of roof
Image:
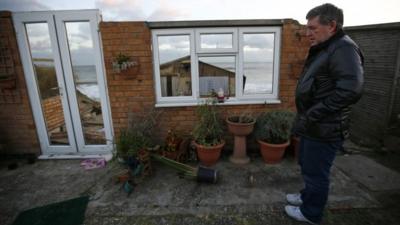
<point>217,23</point>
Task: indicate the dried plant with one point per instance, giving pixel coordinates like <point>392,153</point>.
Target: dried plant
<point>274,127</point>
<point>138,134</point>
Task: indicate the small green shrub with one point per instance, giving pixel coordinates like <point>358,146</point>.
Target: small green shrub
<point>208,130</point>
<point>138,135</point>
<point>121,58</point>
<point>274,127</point>
<point>244,117</point>
<point>130,142</point>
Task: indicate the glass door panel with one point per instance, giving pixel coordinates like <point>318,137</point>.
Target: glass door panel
<point>80,46</point>
<point>47,83</point>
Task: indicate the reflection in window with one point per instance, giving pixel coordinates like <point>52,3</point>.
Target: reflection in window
<point>85,77</point>
<point>258,52</point>
<point>215,41</point>
<point>175,69</point>
<point>215,73</point>
<point>46,78</point>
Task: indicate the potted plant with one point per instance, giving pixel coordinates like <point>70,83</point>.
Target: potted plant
<point>240,126</point>
<point>273,134</point>
<point>130,141</point>
<point>133,142</point>
<point>123,62</point>
<point>175,146</point>
<point>207,133</point>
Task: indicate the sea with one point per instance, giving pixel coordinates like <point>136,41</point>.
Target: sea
<point>85,78</point>
<point>259,76</point>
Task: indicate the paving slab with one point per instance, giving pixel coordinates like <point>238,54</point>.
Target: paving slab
<point>165,193</point>
<point>369,173</point>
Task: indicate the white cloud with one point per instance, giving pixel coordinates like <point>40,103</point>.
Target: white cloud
<point>357,12</point>
<point>167,11</point>
<point>79,35</point>
<point>22,5</point>
<point>261,41</point>
<point>113,10</point>
<point>117,10</point>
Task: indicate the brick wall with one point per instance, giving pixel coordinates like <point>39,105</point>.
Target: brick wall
<point>129,91</point>
<point>134,92</point>
<point>53,112</point>
<point>17,127</point>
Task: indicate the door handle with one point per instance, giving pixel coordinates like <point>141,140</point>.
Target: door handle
<point>59,89</point>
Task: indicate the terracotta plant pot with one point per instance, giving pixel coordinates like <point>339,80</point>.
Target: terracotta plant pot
<point>272,153</point>
<point>122,178</point>
<point>209,156</point>
<point>240,131</point>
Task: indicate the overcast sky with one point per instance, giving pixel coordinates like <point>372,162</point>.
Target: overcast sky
<point>357,12</point>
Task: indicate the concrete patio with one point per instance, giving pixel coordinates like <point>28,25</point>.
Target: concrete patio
<point>164,198</point>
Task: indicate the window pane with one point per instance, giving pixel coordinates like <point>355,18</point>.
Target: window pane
<point>212,41</point>
<point>217,72</point>
<point>258,50</point>
<point>175,70</point>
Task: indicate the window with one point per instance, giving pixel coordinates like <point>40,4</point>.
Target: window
<point>190,64</point>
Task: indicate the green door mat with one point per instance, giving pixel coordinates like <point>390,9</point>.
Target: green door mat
<point>70,212</point>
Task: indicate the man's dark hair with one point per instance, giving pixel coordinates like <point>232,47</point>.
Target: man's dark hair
<point>327,13</point>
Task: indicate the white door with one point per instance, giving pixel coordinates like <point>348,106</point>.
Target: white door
<point>62,62</point>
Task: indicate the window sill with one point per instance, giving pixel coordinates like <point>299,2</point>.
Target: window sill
<point>228,102</point>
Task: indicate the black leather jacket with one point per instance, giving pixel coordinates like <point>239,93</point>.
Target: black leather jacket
<point>331,81</point>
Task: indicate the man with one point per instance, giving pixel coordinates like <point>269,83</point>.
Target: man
<point>331,81</point>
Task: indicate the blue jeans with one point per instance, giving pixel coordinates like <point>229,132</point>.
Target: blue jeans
<point>316,158</point>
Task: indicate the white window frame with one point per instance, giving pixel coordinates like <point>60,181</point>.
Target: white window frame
<point>276,64</point>
<point>193,65</point>
<point>237,51</point>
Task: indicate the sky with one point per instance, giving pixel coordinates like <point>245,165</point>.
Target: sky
<point>356,12</point>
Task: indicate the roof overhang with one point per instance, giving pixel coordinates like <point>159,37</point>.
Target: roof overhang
<point>217,23</point>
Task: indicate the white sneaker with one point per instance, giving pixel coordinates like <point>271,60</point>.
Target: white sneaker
<point>294,199</point>
<point>295,213</point>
